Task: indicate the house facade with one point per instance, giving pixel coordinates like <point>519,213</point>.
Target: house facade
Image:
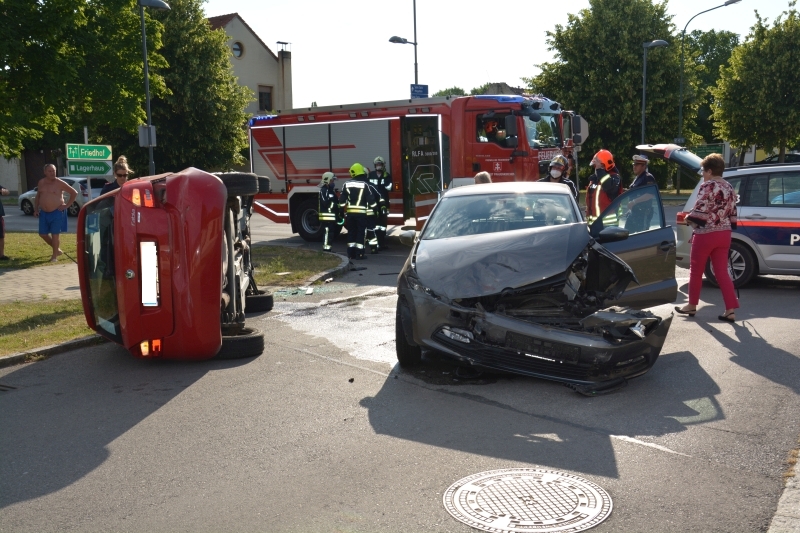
<point>266,73</point>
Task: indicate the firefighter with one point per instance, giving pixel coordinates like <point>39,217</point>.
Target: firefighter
<point>604,186</point>
<point>559,173</point>
<point>328,208</point>
<point>640,210</point>
<point>382,181</point>
<point>355,200</point>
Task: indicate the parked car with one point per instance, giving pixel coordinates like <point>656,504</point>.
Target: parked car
<point>774,159</point>
<point>166,270</point>
<point>767,238</point>
<point>508,276</point>
<point>25,200</point>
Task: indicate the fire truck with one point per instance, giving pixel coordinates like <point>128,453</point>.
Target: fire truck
<point>429,145</point>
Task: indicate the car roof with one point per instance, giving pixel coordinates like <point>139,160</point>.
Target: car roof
<point>509,187</point>
<point>759,169</point>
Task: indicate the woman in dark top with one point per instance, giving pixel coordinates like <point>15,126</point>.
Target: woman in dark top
<point>121,173</point>
<point>712,216</point>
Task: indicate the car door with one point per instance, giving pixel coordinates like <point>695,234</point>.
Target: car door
<point>649,248</point>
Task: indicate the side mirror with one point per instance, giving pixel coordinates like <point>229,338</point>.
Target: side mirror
<point>580,130</point>
<point>512,142</point>
<point>612,234</point>
<point>511,125</point>
<point>577,139</point>
<point>408,238</point>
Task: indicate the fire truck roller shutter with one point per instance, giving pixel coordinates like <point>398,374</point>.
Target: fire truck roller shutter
<point>359,142</point>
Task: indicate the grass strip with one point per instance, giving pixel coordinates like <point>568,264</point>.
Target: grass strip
<point>301,264</point>
<point>28,250</point>
<point>28,325</point>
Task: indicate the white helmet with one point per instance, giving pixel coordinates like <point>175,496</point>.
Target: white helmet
<point>380,160</point>
<point>327,178</point>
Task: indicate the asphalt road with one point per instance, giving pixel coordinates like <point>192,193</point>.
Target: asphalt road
<point>322,432</point>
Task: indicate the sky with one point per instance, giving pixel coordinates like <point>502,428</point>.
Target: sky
<point>341,52</point>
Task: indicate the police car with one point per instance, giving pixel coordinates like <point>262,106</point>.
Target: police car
<point>767,238</point>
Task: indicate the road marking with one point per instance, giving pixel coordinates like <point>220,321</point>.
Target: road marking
<point>648,444</point>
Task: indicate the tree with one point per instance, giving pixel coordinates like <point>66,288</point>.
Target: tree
<point>452,91</point>
<point>756,99</point>
<point>481,90</point>
<point>598,73</point>
<point>68,64</point>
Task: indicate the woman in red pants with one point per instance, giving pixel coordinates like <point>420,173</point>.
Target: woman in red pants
<point>712,217</point>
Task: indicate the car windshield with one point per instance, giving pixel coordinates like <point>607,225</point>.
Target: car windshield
<point>100,269</point>
<point>545,133</point>
<point>458,216</point>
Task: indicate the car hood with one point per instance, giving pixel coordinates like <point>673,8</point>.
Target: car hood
<point>480,265</point>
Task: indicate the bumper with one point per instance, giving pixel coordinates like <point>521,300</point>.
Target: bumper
<point>508,344</point>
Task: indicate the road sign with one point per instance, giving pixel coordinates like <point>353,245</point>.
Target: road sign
<point>419,91</point>
<point>702,150</point>
<point>89,152</point>
<point>679,140</point>
<point>89,168</point>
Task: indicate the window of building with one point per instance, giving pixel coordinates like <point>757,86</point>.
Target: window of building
<point>238,49</point>
<point>264,98</point>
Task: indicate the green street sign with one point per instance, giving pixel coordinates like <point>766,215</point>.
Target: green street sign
<point>89,152</point>
<point>702,150</point>
<point>89,168</point>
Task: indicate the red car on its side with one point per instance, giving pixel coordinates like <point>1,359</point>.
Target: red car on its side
<point>165,266</point>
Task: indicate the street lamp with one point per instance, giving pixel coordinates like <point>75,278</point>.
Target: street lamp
<point>652,44</point>
<point>680,139</point>
<point>401,40</point>
<point>162,6</point>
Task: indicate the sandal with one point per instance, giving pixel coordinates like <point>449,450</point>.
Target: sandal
<point>682,312</point>
<point>727,318</point>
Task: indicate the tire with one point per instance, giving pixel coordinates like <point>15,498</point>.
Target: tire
<point>27,207</point>
<point>239,183</point>
<point>407,355</point>
<point>264,185</point>
<point>258,302</point>
<point>74,209</point>
<point>249,343</point>
<point>743,262</point>
<point>307,221</point>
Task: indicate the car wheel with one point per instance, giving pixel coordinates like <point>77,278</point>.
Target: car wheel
<point>741,266</point>
<point>407,355</point>
<point>264,185</point>
<point>239,183</point>
<point>307,222</point>
<point>74,209</point>
<point>258,302</point>
<point>248,343</point>
<point>27,207</point>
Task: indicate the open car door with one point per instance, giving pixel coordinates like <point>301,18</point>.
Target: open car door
<point>649,248</point>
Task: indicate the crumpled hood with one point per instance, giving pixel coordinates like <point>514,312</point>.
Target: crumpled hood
<point>481,265</point>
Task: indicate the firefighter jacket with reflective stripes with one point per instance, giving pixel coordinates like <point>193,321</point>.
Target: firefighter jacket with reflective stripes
<point>356,197</point>
<point>328,203</point>
<point>382,182</point>
<point>379,201</point>
<point>603,188</point>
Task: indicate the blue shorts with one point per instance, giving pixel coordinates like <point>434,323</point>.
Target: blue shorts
<point>54,222</point>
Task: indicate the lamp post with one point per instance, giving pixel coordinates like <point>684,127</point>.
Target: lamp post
<point>160,5</point>
<point>401,40</point>
<point>652,44</point>
<point>680,139</point>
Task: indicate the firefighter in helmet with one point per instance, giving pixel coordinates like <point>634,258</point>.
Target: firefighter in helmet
<point>356,200</point>
<point>328,208</point>
<point>604,186</point>
<point>382,181</point>
<point>559,173</point>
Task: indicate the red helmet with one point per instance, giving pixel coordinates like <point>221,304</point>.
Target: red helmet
<point>605,157</point>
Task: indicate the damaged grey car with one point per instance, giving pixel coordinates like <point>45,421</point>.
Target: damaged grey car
<point>509,277</point>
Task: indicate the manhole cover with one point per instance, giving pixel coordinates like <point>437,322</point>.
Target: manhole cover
<point>527,499</point>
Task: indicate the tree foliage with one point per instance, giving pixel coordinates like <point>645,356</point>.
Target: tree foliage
<point>598,73</point>
<point>452,91</point>
<point>756,99</point>
<point>67,64</point>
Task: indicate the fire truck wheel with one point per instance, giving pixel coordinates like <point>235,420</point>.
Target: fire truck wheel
<point>264,185</point>
<point>260,302</point>
<point>239,183</point>
<point>307,221</point>
<point>248,343</point>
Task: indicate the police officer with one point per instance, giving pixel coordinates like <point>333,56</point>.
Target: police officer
<point>382,181</point>
<point>558,173</point>
<point>328,208</point>
<point>604,186</point>
<point>640,209</point>
<point>355,200</point>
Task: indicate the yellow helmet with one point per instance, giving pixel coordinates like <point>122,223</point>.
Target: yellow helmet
<point>327,178</point>
<point>357,170</point>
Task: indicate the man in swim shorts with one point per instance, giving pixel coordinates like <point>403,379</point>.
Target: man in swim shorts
<point>49,206</point>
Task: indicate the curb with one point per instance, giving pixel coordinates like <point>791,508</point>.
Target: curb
<point>47,351</point>
<point>333,272</point>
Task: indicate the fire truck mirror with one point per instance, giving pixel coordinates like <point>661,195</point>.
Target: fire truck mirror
<point>511,126</point>
<point>577,139</point>
<point>576,124</point>
<point>512,142</point>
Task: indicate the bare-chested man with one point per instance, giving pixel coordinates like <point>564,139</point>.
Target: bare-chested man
<point>49,206</point>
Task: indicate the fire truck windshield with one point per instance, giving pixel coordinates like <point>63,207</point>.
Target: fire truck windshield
<point>544,133</point>
<point>100,267</point>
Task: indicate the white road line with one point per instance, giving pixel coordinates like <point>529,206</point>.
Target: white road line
<point>648,444</point>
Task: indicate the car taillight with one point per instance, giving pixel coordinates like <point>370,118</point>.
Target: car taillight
<point>136,198</point>
<point>680,219</point>
<point>84,192</point>
<point>150,348</point>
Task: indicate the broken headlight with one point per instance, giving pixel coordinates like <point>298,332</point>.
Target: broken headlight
<point>415,285</point>
<point>460,335</point>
